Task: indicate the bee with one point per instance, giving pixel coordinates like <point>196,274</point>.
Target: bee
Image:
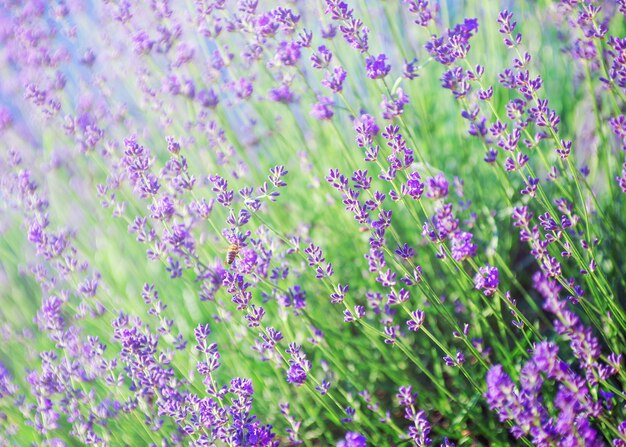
<point>233,251</point>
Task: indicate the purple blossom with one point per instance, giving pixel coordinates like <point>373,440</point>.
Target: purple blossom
<point>487,279</point>
<point>454,44</point>
<point>462,246</point>
<point>197,71</point>
<point>288,53</point>
<point>621,180</point>
<point>282,94</point>
<point>423,12</point>
<point>437,187</point>
<point>353,439</point>
<point>207,98</point>
<point>322,109</point>
<point>416,321</point>
<point>366,129</point>
<point>405,252</point>
<point>243,88</point>
<point>276,174</point>
<point>330,32</point>
<point>394,106</point>
<point>321,59</point>
<point>7,387</point>
<point>334,79</point>
<point>410,70</point>
<point>352,29</point>
<point>377,67</point>
<point>339,294</point>
<point>414,187</point>
<point>299,366</point>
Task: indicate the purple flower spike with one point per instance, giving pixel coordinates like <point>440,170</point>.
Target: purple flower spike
<point>377,67</point>
<point>353,439</point>
<point>487,279</point>
<point>322,109</point>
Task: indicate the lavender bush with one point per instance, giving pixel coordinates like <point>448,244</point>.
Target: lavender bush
<point>256,223</point>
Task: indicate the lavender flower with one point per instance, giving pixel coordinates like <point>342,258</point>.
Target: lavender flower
<point>487,279</point>
<point>322,109</point>
<point>237,240</point>
<point>377,67</point>
<point>353,439</point>
<point>394,106</point>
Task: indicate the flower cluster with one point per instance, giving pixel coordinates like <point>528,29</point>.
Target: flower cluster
<point>178,176</point>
